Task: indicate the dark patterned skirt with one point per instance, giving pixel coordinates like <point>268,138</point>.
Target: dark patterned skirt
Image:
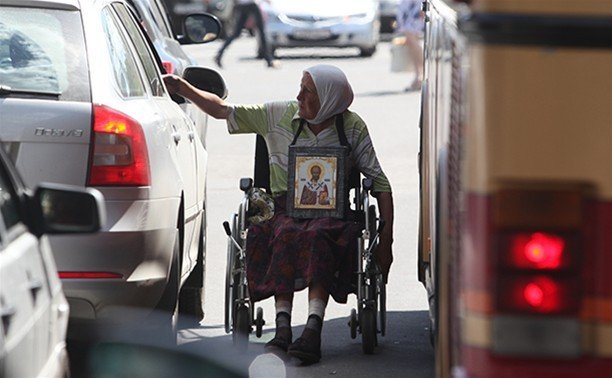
<point>285,255</point>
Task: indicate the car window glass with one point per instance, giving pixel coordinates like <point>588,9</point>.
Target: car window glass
<point>124,66</point>
<point>9,204</point>
<point>41,51</point>
<point>142,48</point>
<point>160,19</point>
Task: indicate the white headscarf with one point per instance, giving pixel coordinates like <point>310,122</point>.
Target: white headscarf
<point>335,92</point>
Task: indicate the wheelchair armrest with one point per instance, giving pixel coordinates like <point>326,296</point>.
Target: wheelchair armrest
<point>367,184</point>
<point>246,183</point>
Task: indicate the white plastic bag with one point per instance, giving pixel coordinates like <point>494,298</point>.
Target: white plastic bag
<point>400,58</point>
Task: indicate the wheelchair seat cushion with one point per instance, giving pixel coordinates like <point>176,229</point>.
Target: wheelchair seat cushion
<point>287,254</point>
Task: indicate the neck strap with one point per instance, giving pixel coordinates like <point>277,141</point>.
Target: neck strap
<point>339,129</point>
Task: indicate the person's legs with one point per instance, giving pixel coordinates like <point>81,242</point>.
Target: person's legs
<point>283,336</point>
<point>308,346</point>
<point>262,36</point>
<point>416,57</point>
<point>241,18</point>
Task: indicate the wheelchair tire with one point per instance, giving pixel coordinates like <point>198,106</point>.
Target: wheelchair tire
<point>368,329</point>
<point>259,322</point>
<point>353,323</point>
<point>230,290</point>
<point>382,306</point>
<point>242,328</point>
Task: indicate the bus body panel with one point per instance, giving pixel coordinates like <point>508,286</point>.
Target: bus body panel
<point>516,144</point>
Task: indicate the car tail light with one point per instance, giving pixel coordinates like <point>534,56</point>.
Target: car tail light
<point>168,66</point>
<point>120,155</point>
<point>89,275</point>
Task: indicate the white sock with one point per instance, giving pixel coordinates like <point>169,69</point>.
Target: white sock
<point>316,307</point>
<point>283,306</point>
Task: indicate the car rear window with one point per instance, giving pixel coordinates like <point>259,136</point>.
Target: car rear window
<point>43,50</point>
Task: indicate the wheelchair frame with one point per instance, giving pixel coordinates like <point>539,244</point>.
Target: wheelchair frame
<point>370,316</point>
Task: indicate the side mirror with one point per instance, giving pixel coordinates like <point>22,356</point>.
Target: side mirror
<point>206,79</point>
<point>68,209</point>
<point>200,28</point>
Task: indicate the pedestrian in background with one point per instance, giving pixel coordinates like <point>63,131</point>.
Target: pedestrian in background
<point>242,10</point>
<point>410,23</point>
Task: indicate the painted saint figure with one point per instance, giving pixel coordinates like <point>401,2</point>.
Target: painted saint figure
<point>315,192</point>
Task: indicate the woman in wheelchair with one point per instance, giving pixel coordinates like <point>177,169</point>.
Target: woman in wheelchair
<point>285,254</point>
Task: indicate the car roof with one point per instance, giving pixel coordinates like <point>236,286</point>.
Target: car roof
<point>57,4</point>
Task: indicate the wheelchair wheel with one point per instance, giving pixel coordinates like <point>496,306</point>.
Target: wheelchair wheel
<point>259,322</point>
<point>353,323</point>
<point>230,289</point>
<point>368,329</point>
<point>242,328</point>
<point>382,306</point>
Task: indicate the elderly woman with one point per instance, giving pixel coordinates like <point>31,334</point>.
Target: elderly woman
<point>285,254</point>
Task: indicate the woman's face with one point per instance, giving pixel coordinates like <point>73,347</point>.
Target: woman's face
<point>308,99</point>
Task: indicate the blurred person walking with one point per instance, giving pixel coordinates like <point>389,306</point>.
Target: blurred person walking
<point>410,23</point>
<point>242,10</point>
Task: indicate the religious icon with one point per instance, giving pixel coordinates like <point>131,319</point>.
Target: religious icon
<point>315,189</point>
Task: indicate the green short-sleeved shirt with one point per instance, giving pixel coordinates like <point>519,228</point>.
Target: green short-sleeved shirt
<point>278,122</point>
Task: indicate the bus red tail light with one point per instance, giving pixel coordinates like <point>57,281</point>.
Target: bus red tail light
<point>538,250</point>
<point>120,155</point>
<point>538,294</point>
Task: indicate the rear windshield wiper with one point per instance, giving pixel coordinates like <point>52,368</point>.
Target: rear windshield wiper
<point>6,90</point>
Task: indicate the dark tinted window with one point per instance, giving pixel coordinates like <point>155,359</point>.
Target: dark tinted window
<point>42,50</point>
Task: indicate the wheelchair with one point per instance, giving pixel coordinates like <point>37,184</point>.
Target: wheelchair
<point>368,319</point>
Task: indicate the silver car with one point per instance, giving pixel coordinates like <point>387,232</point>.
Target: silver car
<point>323,23</point>
<point>33,309</point>
<point>82,102</point>
<point>153,16</point>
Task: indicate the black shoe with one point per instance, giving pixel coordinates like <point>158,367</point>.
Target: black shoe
<point>307,347</point>
<point>283,336</point>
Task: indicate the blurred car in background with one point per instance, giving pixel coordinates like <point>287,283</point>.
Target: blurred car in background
<point>178,9</point>
<point>388,13</point>
<point>153,16</point>
<point>323,23</point>
<point>103,118</point>
<point>33,308</point>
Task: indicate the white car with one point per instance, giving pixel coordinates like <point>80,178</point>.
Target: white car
<point>323,23</point>
<point>33,309</point>
<point>82,102</point>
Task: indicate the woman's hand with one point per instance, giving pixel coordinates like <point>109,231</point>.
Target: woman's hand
<point>384,257</point>
<point>173,83</point>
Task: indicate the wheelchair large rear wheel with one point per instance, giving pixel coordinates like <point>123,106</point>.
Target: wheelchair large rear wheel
<point>368,329</point>
<point>242,328</point>
<point>230,283</point>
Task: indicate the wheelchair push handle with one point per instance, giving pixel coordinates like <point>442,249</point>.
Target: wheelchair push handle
<point>367,184</point>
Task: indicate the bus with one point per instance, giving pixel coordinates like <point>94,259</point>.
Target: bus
<point>515,168</point>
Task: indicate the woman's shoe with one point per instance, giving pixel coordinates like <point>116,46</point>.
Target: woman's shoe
<point>307,347</point>
<point>282,339</point>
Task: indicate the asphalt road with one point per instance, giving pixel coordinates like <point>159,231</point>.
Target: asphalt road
<point>392,116</point>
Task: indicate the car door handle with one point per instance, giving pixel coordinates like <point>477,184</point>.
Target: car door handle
<point>6,313</point>
<point>191,136</point>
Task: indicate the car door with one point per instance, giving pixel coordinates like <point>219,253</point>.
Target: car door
<point>25,308</point>
<point>172,117</point>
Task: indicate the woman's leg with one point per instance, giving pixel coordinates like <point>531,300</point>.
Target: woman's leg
<point>308,346</point>
<point>283,304</point>
<point>416,56</point>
